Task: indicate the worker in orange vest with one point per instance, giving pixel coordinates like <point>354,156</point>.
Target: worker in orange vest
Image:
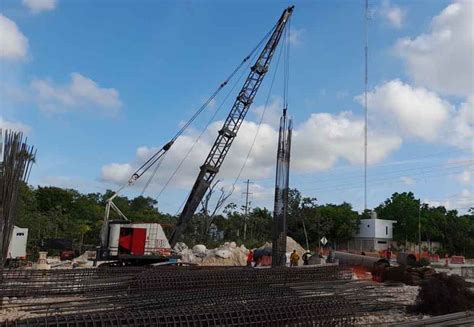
<point>249,258</point>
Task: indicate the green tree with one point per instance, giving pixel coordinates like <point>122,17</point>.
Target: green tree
<point>404,209</point>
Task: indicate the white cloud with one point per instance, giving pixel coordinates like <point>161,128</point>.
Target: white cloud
<point>461,128</point>
<point>461,201</point>
<point>324,139</point>
<point>272,112</point>
<point>415,112</point>
<point>81,91</point>
<point>37,6</point>
<point>442,59</point>
<point>465,177</point>
<point>117,173</point>
<point>13,44</point>
<point>296,35</point>
<point>14,126</point>
<point>394,14</point>
<point>318,144</point>
<point>407,180</point>
<point>212,104</point>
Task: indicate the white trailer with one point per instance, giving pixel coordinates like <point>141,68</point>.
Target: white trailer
<point>17,246</point>
<point>124,239</point>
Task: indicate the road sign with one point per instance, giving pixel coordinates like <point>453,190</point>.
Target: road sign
<point>324,240</point>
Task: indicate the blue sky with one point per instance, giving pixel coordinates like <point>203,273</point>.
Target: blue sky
<point>98,84</point>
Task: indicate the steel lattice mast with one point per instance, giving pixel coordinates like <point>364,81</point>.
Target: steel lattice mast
<point>231,126</point>
<point>281,192</point>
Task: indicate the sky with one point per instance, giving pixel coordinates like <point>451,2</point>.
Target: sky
<point>99,86</point>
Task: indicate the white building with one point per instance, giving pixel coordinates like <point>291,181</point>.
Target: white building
<point>374,235</point>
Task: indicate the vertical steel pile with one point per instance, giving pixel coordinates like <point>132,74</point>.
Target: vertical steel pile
<point>15,167</point>
<point>281,192</point>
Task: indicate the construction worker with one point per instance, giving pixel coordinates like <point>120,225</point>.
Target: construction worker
<point>306,257</point>
<point>294,259</point>
<point>249,258</point>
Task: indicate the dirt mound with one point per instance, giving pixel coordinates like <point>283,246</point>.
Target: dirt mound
<point>291,244</point>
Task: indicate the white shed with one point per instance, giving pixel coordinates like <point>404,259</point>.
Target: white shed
<point>374,235</point>
<point>17,246</point>
<point>375,229</point>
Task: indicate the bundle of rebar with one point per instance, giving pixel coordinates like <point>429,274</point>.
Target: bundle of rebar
<point>15,167</point>
<point>140,296</point>
<point>285,312</point>
<point>17,283</point>
<point>192,296</point>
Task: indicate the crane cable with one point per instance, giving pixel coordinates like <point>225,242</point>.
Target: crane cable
<point>286,76</point>
<point>286,40</point>
<point>157,157</point>
<point>203,130</point>
<point>160,160</point>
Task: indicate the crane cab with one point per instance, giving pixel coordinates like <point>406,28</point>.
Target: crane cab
<point>136,243</point>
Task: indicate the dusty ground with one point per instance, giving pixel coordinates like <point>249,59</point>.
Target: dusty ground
<point>13,308</point>
<point>396,298</point>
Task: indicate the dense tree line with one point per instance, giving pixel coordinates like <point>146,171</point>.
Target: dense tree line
<point>51,212</point>
<point>437,224</point>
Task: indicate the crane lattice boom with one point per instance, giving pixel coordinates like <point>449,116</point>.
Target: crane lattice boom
<point>231,126</point>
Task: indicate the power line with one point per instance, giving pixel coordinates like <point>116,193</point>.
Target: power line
<point>433,174</point>
<point>461,163</point>
<point>347,186</point>
<point>341,176</point>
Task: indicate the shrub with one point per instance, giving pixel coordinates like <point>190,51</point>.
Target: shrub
<point>442,294</point>
<point>423,262</point>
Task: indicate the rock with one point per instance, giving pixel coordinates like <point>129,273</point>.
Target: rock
<point>223,254</point>
<point>180,247</point>
<point>187,256</point>
<point>199,250</point>
<point>233,245</point>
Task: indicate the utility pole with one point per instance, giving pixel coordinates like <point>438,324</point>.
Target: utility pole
<point>419,231</point>
<point>366,80</point>
<point>247,193</point>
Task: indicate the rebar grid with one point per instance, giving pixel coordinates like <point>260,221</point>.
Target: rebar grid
<point>211,296</point>
<point>293,311</point>
<point>114,280</point>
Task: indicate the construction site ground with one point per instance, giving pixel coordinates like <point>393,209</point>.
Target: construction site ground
<point>321,289</point>
<point>215,289</point>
